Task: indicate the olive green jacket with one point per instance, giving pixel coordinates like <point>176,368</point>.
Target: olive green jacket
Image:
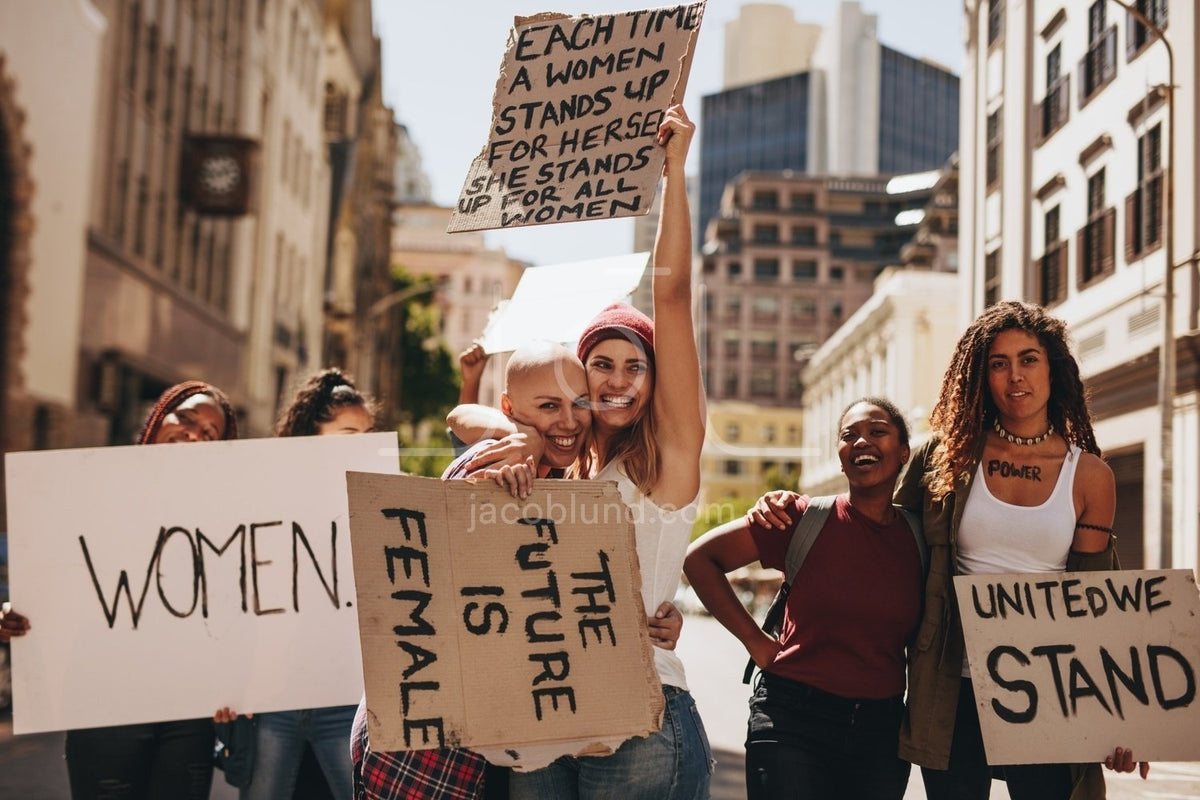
<point>935,658</point>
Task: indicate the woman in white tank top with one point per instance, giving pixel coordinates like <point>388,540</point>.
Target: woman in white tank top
<point>1011,482</point>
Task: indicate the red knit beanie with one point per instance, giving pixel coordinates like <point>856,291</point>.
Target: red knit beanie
<point>618,321</point>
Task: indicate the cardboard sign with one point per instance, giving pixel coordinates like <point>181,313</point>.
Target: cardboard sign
<point>488,622</point>
<point>575,118</point>
<point>165,582</point>
<point>552,303</point>
<point>1069,666</point>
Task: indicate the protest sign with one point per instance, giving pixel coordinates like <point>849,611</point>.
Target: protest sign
<point>551,303</point>
<point>489,622</point>
<point>165,582</point>
<point>575,117</point>
<point>1069,666</point>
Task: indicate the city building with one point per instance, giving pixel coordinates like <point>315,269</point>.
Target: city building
<point>1067,170</point>
<point>47,137</point>
<point>858,108</point>
<point>766,41</point>
<point>747,445</point>
<point>789,258</point>
<point>471,279</point>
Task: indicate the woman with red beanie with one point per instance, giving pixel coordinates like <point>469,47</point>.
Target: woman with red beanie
<point>158,760</point>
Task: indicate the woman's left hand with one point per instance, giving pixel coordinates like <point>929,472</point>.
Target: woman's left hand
<point>1122,761</point>
<point>517,478</point>
<point>665,626</point>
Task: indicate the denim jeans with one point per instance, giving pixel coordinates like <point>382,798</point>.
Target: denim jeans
<point>970,778</point>
<point>806,743</point>
<point>153,761</point>
<point>280,746</point>
<point>673,764</point>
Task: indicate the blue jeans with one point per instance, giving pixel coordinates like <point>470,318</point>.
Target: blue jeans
<point>280,745</point>
<point>152,761</point>
<point>970,778</point>
<point>803,742</point>
<point>673,764</point>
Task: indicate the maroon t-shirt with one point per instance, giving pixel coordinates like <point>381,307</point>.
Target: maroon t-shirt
<point>853,605</point>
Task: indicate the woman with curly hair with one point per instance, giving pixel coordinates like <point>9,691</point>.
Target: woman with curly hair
<point>328,403</point>
<point>1011,481</point>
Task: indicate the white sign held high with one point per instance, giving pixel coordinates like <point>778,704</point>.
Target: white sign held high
<point>164,582</point>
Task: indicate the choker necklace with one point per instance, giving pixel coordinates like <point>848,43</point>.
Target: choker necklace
<point>998,428</point>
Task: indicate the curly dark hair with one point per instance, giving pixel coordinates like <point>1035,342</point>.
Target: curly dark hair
<point>173,397</point>
<point>965,410</point>
<point>316,401</point>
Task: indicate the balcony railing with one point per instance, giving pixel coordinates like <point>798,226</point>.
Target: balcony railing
<point>1095,244</point>
<point>1055,108</point>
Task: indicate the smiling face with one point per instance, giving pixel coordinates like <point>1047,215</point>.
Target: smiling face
<point>1018,373</point>
<point>620,381</point>
<point>197,419</point>
<point>347,419</point>
<point>552,397</point>
<point>870,447</point>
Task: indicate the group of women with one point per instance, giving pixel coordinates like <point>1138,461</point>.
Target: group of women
<point>867,673</point>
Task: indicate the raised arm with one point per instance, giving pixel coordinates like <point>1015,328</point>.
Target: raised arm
<point>679,412</point>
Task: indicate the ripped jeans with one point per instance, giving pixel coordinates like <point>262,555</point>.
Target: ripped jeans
<point>154,761</point>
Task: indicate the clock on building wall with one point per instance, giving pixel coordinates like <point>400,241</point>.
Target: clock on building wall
<point>217,174</point>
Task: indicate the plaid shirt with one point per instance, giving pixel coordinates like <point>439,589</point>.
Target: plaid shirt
<point>447,774</point>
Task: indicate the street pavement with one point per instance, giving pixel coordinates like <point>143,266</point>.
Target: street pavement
<point>32,767</point>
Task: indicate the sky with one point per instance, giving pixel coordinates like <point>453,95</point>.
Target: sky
<point>441,59</point>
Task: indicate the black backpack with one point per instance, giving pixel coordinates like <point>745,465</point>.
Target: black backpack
<point>803,535</point>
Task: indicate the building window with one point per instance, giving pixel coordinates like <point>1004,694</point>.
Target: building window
<point>768,434</point>
<point>766,234</point>
<point>804,235</point>
<point>1056,107</point>
<point>995,21</point>
<point>1137,35</point>
<point>731,383</point>
<point>734,270</point>
<point>994,140</point>
<point>733,432</point>
<point>1052,266</point>
<point>803,202</point>
<point>1096,238</point>
<point>1099,65</point>
<point>991,277</point>
<point>732,345</point>
<point>733,307</point>
<point>763,382</point>
<point>804,270</point>
<point>765,201</point>
<point>836,273</point>
<point>795,387</point>
<point>836,309</point>
<point>732,467</point>
<point>765,308</point>
<point>804,308</point>
<point>1144,208</point>
<point>763,346</point>
<point>766,270</point>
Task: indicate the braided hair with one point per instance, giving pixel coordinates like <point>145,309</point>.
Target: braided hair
<point>316,401</point>
<point>174,397</point>
<point>965,409</point>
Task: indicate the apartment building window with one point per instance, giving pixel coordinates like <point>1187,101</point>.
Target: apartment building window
<point>837,273</point>
<point>766,270</point>
<point>795,387</point>
<point>804,270</point>
<point>1137,35</point>
<point>1099,65</point>
<point>732,467</point>
<point>804,201</point>
<point>836,309</point>
<point>763,382</point>
<point>733,432</point>
<point>995,21</point>
<point>151,65</point>
<point>732,345</point>
<point>991,277</point>
<point>1056,107</point>
<point>804,235</point>
<point>766,234</point>
<point>994,141</point>
<point>168,111</point>
<point>1052,266</point>
<point>733,307</point>
<point>763,346</point>
<point>765,308</point>
<point>731,383</point>
<point>804,308</point>
<point>1144,208</point>
<point>1096,239</point>
<point>765,200</point>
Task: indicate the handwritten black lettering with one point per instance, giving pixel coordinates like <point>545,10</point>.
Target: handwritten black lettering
<point>1007,469</point>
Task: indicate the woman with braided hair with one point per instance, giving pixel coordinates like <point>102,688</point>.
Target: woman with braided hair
<point>158,760</point>
<point>1011,481</point>
<point>328,403</point>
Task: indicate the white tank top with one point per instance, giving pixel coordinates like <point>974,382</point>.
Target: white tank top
<point>997,537</point>
<point>662,542</point>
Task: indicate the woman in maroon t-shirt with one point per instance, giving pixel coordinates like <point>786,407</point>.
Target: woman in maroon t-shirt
<point>827,706</point>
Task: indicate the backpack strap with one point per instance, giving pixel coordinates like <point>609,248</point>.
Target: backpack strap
<point>803,535</point>
<point>918,532</point>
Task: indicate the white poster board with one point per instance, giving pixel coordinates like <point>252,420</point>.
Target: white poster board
<point>165,582</point>
<point>1068,666</point>
<point>556,302</point>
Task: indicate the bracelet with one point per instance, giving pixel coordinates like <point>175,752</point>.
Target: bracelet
<point>1109,531</point>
